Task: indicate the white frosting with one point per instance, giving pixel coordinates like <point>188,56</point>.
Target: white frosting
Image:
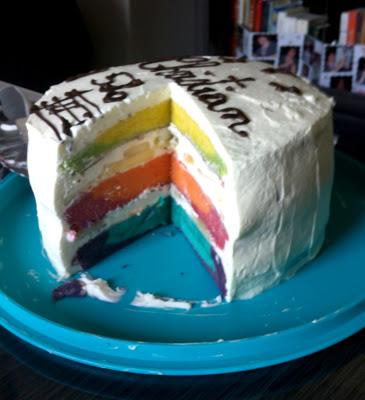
<point>276,193</point>
<point>149,300</point>
<point>100,289</point>
<point>211,303</point>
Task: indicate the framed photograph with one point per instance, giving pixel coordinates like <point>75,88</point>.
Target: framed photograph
<point>311,59</point>
<point>239,50</point>
<point>360,71</point>
<point>337,62</point>
<point>246,42</point>
<point>358,83</point>
<point>308,50</point>
<point>305,71</point>
<point>338,59</point>
<point>289,59</point>
<point>341,83</point>
<point>264,45</point>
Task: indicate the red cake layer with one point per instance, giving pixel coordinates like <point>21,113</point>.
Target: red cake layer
<point>200,203</point>
<point>123,187</point>
<point>117,191</point>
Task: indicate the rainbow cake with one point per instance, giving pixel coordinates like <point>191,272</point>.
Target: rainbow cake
<point>236,154</point>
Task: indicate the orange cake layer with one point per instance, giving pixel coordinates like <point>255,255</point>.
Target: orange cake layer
<point>201,204</point>
<point>116,191</point>
<point>123,187</point>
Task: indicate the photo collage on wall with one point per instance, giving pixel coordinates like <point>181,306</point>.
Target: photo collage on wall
<point>358,84</point>
<point>260,46</point>
<point>336,67</point>
<point>289,54</point>
<point>311,59</point>
<point>330,65</point>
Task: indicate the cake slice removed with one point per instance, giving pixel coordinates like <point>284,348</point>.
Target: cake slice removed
<point>237,155</point>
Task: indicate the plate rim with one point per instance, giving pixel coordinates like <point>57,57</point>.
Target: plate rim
<point>354,321</point>
<point>352,313</point>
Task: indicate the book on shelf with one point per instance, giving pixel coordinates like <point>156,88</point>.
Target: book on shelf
<point>276,6</point>
<point>361,39</point>
<point>344,20</point>
<point>298,46</point>
<point>257,15</point>
<point>308,24</point>
<point>296,21</point>
<point>283,19</point>
<point>352,27</point>
<point>261,15</point>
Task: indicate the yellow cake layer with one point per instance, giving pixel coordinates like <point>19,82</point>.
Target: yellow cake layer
<point>151,118</point>
<point>142,121</point>
<point>187,126</point>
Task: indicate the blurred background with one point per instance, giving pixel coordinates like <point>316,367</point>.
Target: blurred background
<point>44,42</point>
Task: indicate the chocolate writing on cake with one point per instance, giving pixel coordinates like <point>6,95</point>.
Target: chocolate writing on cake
<point>230,59</point>
<point>204,89</point>
<point>64,108</point>
<point>283,88</point>
<point>114,91</point>
<point>67,107</point>
<point>270,70</point>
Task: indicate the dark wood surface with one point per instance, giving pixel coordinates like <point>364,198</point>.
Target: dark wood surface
<point>337,373</point>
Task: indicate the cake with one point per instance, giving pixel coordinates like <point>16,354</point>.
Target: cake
<point>237,155</point>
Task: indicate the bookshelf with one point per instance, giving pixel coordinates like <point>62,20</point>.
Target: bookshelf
<point>295,39</point>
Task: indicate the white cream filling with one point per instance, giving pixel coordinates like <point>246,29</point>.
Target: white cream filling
<point>218,190</point>
<point>94,174</point>
<point>149,300</point>
<point>100,289</point>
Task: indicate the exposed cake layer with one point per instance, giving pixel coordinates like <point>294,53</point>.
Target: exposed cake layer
<point>132,154</point>
<point>123,233</point>
<point>264,134</point>
<point>123,187</point>
<point>63,243</point>
<point>164,211</point>
<point>201,204</point>
<point>146,120</point>
<point>117,191</point>
<point>102,205</point>
<point>204,249</point>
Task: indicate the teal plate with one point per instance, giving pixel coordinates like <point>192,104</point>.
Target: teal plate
<point>323,304</point>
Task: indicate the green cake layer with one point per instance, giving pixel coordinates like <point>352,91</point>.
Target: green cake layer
<point>192,233</point>
<point>149,119</point>
<point>123,233</point>
<point>165,211</point>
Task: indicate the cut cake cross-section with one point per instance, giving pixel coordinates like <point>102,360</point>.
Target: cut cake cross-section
<point>236,154</point>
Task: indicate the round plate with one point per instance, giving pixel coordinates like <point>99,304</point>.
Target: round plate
<point>321,305</point>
